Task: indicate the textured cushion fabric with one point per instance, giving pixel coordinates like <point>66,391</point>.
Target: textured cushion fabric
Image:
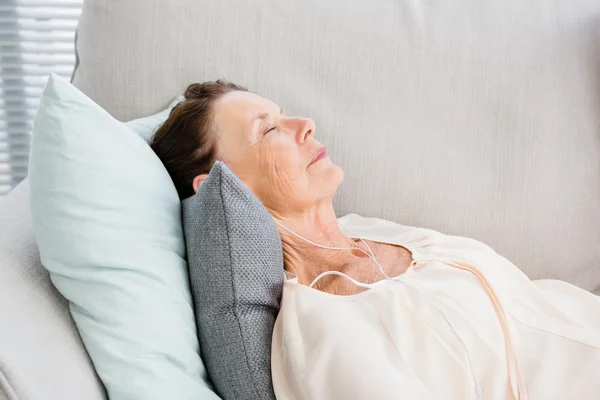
<point>41,354</point>
<point>107,222</point>
<point>473,118</point>
<point>236,274</point>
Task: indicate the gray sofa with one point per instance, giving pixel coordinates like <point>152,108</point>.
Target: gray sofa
<point>475,118</point>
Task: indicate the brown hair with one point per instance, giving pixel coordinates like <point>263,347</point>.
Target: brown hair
<point>186,143</point>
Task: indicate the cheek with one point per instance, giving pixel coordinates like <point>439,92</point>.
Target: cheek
<point>284,168</point>
<point>287,169</point>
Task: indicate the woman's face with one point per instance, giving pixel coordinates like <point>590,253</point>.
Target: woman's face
<point>276,156</point>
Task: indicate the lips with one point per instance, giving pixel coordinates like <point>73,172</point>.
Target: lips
<point>319,155</point>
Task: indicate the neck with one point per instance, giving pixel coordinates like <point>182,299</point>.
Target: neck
<point>320,226</point>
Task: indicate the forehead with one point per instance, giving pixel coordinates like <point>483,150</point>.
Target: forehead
<point>239,107</point>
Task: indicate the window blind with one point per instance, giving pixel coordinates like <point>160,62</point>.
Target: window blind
<point>36,38</point>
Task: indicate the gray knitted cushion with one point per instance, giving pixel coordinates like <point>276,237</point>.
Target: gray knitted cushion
<point>236,274</point>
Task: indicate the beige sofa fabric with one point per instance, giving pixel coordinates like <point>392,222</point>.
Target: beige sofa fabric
<point>475,118</point>
<point>41,353</point>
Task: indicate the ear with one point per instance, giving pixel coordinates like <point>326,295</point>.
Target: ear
<point>198,180</point>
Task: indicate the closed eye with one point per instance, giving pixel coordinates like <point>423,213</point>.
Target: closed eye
<point>269,130</point>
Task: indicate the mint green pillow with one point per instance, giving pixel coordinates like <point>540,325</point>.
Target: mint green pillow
<point>108,225</point>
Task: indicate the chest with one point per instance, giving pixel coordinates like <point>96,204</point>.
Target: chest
<point>394,260</point>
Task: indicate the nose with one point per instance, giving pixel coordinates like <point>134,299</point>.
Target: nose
<point>306,128</point>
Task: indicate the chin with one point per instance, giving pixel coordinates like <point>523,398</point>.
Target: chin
<point>332,179</point>
<point>339,174</point>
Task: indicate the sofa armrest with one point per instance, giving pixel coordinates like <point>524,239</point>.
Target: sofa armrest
<point>41,353</point>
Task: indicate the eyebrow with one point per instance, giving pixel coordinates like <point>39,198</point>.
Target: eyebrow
<point>265,116</point>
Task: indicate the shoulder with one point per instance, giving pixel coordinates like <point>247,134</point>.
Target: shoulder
<point>385,231</point>
<point>381,230</point>
<point>371,224</point>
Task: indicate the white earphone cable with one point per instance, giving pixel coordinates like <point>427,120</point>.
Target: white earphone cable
<point>371,256</point>
<point>478,388</point>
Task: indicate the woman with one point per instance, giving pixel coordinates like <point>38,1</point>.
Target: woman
<point>404,313</point>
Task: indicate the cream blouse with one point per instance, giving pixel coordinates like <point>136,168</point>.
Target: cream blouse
<point>461,323</point>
